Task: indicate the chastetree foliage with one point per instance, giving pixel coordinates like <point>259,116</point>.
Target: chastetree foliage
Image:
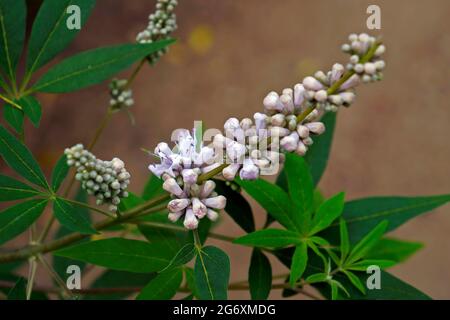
<point>327,245</point>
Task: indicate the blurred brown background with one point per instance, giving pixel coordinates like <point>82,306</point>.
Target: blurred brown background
<point>230,53</point>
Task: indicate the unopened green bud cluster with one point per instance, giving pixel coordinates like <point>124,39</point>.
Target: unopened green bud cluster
<point>121,96</point>
<point>106,180</point>
<point>161,24</point>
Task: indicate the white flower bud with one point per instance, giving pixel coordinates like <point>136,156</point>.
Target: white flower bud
<point>336,72</point>
<point>212,215</point>
<point>380,64</point>
<point>380,50</point>
<point>207,188</point>
<point>316,127</point>
<point>354,59</point>
<point>229,173</point>
<point>218,202</point>
<point>260,120</point>
<point>289,143</point>
<point>175,216</point>
<point>189,176</point>
<point>246,123</point>
<point>311,83</point>
<point>321,95</point>
<point>299,91</point>
<point>302,131</point>
<point>235,150</point>
<point>117,164</point>
<point>352,82</point>
<point>278,120</point>
<point>301,149</point>
<point>171,186</point>
<point>190,220</point>
<point>178,205</point>
<point>271,101</point>
<point>370,68</point>
<point>249,171</point>
<point>288,104</point>
<point>335,99</point>
<point>231,125</point>
<point>198,208</point>
<point>347,97</point>
<point>359,68</point>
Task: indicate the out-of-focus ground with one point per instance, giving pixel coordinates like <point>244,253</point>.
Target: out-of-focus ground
<point>230,53</point>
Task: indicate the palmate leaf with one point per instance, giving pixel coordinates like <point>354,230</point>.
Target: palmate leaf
<point>19,158</point>
<point>12,34</point>
<point>327,212</point>
<point>393,250</point>
<point>11,189</point>
<point>363,215</point>
<point>32,109</point>
<point>212,273</point>
<point>273,238</point>
<point>183,256</point>
<point>18,218</point>
<point>360,250</point>
<point>94,66</point>
<point>50,34</point>
<point>60,172</point>
<point>259,276</point>
<point>318,154</point>
<point>14,116</point>
<point>60,264</point>
<point>163,287</point>
<point>170,240</point>
<point>120,254</point>
<point>299,262</point>
<point>272,198</point>
<point>301,190</point>
<point>237,207</point>
<point>66,213</point>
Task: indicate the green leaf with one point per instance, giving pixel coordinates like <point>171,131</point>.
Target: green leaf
<point>66,213</point>
<point>301,189</point>
<point>59,172</point>
<point>237,207</point>
<point>355,281</point>
<point>32,108</point>
<point>11,189</point>
<point>272,198</point>
<point>259,276</point>
<point>14,117</point>
<point>345,242</point>
<point>317,277</point>
<point>368,242</point>
<point>318,153</point>
<point>153,188</point>
<point>183,256</point>
<point>18,292</point>
<point>212,273</point>
<point>17,219</point>
<point>190,281</point>
<point>394,250</point>
<point>299,261</point>
<point>364,264</point>
<point>170,240</point>
<point>119,254</point>
<point>94,66</point>
<point>18,157</point>
<point>12,33</point>
<point>364,214</point>
<point>119,279</point>
<point>130,202</point>
<point>327,212</point>
<point>50,34</point>
<point>163,287</point>
<point>274,238</point>
<point>60,264</point>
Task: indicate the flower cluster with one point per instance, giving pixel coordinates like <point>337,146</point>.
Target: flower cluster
<point>193,201</point>
<point>161,24</point>
<point>121,96</point>
<point>106,180</point>
<point>248,147</point>
<point>368,69</point>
